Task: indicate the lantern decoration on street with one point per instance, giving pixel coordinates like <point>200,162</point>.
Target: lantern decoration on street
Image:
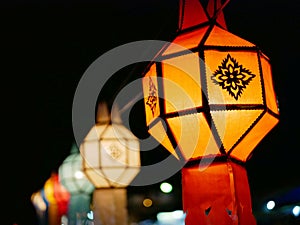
<point>58,199</point>
<point>209,100</point>
<point>111,160</point>
<point>72,177</point>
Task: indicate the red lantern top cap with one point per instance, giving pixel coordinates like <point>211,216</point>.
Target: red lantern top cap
<point>193,14</point>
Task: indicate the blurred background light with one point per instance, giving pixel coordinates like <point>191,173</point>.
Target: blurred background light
<point>167,218</point>
<point>147,202</point>
<point>177,214</point>
<point>270,205</point>
<point>166,187</point>
<point>90,215</point>
<point>296,210</point>
<point>78,174</point>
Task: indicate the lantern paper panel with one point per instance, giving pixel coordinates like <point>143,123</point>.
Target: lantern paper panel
<point>110,152</point>
<point>217,194</point>
<point>211,91</point>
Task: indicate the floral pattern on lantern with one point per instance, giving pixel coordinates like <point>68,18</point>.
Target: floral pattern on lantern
<point>232,76</point>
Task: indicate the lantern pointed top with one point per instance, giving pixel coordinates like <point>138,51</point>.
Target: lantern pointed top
<point>74,149</point>
<point>193,14</point>
<point>215,11</point>
<point>104,115</point>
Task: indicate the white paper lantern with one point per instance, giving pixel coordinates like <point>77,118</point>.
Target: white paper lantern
<point>110,151</point>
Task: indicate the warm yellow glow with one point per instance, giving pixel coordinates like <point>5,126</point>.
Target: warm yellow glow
<point>218,98</point>
<point>147,202</point>
<point>49,191</point>
<point>181,78</point>
<point>186,40</point>
<point>221,37</point>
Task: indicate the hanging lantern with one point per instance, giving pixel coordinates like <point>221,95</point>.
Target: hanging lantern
<point>111,160</point>
<point>72,177</point>
<point>209,100</point>
<point>58,199</point>
<point>40,206</point>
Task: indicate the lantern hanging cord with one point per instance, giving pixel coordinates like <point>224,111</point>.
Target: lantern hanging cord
<point>127,79</point>
<point>130,103</point>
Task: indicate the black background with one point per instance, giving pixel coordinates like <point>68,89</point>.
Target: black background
<point>47,45</point>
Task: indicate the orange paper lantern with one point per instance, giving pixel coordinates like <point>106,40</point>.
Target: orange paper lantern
<point>210,96</point>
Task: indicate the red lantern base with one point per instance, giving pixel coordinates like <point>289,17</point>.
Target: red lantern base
<point>217,195</point>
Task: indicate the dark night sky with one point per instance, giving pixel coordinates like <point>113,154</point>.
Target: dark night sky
<point>47,46</point>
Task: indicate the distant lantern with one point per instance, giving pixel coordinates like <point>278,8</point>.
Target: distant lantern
<point>72,177</point>
<point>111,160</point>
<point>209,100</point>
<point>58,199</point>
<point>40,206</point>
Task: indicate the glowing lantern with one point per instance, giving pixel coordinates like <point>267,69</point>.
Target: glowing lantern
<point>58,199</point>
<point>111,160</point>
<point>40,206</point>
<point>209,99</point>
<point>74,180</point>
